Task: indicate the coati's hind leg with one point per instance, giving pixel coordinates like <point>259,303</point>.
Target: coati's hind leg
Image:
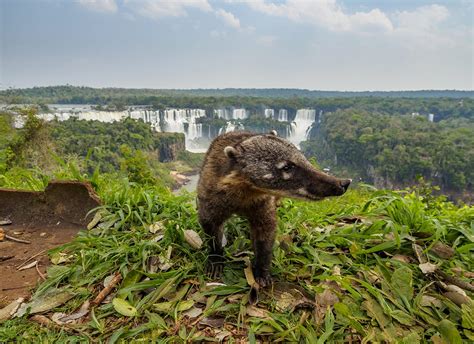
<point>262,233</point>
<point>213,225</point>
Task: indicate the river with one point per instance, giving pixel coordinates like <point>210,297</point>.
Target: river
<point>189,186</point>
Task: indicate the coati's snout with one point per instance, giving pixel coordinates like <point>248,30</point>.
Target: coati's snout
<point>276,166</point>
<point>322,185</point>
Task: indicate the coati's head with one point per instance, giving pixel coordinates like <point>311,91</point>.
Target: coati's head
<point>275,165</point>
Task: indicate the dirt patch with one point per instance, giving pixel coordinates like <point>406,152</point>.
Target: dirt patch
<point>44,219</point>
<point>15,283</point>
<point>61,201</point>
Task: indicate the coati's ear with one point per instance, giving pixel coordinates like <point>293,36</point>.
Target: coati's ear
<point>273,132</point>
<point>231,152</point>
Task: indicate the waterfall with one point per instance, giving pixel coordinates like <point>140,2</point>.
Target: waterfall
<point>197,135</point>
<point>269,113</point>
<point>174,120</point>
<point>229,115</point>
<point>103,116</point>
<point>302,123</point>
<point>282,115</point>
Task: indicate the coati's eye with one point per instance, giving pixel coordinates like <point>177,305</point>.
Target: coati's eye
<point>288,167</point>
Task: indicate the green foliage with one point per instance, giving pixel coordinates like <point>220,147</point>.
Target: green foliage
<point>342,249</point>
<point>134,164</point>
<point>389,150</point>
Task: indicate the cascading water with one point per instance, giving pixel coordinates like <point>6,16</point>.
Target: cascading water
<point>282,115</point>
<point>184,121</point>
<point>269,113</point>
<point>304,119</point>
<point>197,135</point>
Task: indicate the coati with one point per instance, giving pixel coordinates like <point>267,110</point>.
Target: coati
<point>246,174</point>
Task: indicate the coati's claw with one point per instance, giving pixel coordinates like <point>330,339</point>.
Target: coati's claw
<point>262,277</point>
<point>215,266</point>
<point>264,281</point>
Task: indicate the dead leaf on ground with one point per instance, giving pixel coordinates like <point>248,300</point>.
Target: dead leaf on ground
<point>95,220</point>
<point>45,302</point>
<point>324,300</point>
<point>193,312</point>
<point>81,312</point>
<point>457,298</point>
<point>419,254</point>
<point>257,312</point>
<point>462,273</point>
<point>428,268</point>
<point>2,234</point>
<point>442,250</point>
<point>402,258</point>
<point>10,309</point>
<point>430,301</point>
<point>5,222</point>
<point>212,322</point>
<point>289,296</point>
<point>28,266</point>
<point>156,227</point>
<point>193,239</point>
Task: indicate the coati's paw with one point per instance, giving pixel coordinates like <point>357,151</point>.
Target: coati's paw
<point>264,281</point>
<point>263,278</point>
<point>215,266</point>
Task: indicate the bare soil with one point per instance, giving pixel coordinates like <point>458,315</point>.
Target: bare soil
<point>46,219</point>
<point>15,283</point>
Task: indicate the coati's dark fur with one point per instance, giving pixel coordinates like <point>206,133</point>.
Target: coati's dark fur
<point>246,174</point>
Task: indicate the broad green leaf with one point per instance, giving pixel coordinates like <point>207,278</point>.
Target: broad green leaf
<point>467,311</point>
<point>375,311</point>
<point>402,282</point>
<point>449,332</point>
<point>123,307</point>
<point>402,317</point>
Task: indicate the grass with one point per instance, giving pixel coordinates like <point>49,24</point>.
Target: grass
<point>344,271</point>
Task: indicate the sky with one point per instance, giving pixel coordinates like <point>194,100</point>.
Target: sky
<point>318,45</point>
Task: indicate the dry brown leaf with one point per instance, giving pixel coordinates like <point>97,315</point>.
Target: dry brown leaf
<point>193,312</point>
<point>457,298</point>
<point>28,266</point>
<point>212,322</point>
<point>401,258</point>
<point>257,312</point>
<point>193,239</point>
<point>10,309</point>
<point>2,234</point>
<point>427,301</point>
<point>442,250</point>
<point>428,268</point>
<point>156,227</point>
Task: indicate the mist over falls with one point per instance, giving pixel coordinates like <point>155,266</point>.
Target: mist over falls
<point>198,125</point>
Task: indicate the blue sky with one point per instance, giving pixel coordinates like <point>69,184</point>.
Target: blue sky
<point>322,44</point>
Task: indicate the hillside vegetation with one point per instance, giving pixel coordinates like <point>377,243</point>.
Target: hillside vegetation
<point>394,150</point>
<point>371,266</point>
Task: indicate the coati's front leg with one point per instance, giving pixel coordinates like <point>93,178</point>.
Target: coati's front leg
<point>213,224</point>
<point>215,260</point>
<point>263,230</point>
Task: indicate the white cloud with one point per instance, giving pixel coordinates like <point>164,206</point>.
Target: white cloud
<point>100,5</point>
<point>157,9</point>
<point>228,18</point>
<point>425,18</point>
<point>267,41</point>
<point>422,27</point>
<point>218,34</point>
<point>325,13</point>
